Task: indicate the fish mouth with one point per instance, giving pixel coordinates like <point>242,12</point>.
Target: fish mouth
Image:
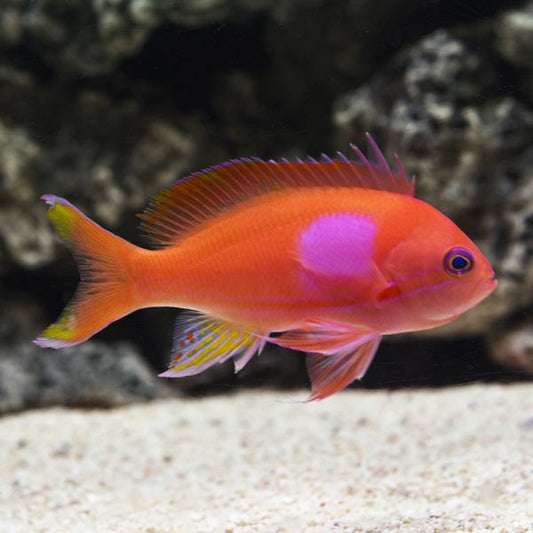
<point>482,289</point>
<point>489,285</point>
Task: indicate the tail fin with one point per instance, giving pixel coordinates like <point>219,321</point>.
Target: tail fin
<point>105,290</point>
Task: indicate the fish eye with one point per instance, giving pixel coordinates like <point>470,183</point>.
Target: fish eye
<point>458,262</point>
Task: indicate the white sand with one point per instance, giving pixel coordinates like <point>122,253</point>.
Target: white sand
<point>453,460</point>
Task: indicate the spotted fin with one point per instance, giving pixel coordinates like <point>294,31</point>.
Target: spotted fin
<point>180,209</point>
<point>201,341</point>
<point>331,373</point>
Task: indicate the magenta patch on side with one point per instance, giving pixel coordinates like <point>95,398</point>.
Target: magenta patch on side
<point>339,245</point>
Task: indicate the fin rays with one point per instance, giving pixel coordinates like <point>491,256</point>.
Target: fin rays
<point>179,209</point>
<point>201,341</point>
<point>104,293</point>
<point>331,373</point>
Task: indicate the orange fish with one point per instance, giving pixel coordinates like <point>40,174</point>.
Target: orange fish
<point>329,255</point>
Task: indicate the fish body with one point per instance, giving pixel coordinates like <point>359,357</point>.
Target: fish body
<point>328,255</point>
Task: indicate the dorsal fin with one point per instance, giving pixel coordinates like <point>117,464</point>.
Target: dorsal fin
<point>181,208</point>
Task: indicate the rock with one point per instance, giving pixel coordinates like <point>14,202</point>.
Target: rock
<point>93,374</point>
<point>27,240</point>
<point>91,38</point>
<point>514,41</point>
<point>514,36</point>
<point>105,156</point>
<point>514,348</point>
<point>424,105</point>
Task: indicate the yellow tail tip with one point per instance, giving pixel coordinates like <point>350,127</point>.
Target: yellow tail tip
<point>60,334</point>
<point>62,214</point>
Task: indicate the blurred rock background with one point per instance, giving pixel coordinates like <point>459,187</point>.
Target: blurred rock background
<point>105,102</point>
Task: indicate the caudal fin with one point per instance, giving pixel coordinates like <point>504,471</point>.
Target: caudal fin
<point>105,290</point>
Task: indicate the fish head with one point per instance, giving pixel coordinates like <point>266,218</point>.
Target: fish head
<point>437,272</point>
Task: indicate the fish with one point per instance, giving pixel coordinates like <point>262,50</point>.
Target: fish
<point>320,256</point>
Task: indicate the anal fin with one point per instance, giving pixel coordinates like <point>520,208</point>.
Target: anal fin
<point>200,341</point>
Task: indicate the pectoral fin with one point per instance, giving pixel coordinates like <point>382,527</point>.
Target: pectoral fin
<point>324,337</point>
<point>331,373</point>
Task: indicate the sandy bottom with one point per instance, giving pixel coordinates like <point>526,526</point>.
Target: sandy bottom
<point>458,459</point>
